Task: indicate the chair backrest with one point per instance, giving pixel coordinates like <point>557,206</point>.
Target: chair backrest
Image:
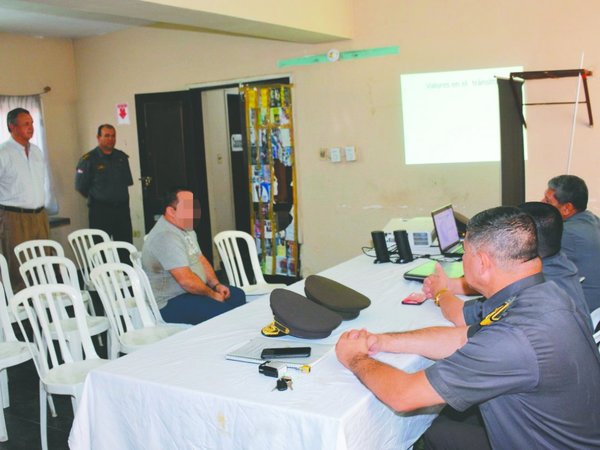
<point>5,279</point>
<point>81,241</point>
<point>118,286</point>
<point>136,260</point>
<point>51,270</point>
<point>41,312</point>
<point>28,250</point>
<point>229,251</point>
<point>7,334</point>
<point>108,252</point>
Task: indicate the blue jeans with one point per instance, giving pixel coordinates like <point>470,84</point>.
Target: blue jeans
<point>193,309</point>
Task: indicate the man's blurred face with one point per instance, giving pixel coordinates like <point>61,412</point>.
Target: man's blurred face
<point>186,210</point>
<point>107,140</point>
<point>22,131</point>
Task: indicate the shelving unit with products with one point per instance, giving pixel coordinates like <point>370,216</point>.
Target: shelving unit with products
<point>272,177</point>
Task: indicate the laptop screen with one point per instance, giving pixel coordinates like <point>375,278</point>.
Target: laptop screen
<point>445,227</point>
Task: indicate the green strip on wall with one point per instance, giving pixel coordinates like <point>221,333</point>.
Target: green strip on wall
<point>344,56</point>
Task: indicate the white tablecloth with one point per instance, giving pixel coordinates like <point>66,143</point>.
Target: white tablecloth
<point>182,393</point>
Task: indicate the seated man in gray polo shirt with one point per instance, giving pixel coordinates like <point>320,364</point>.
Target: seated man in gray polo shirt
<point>186,287</point>
<point>530,365</point>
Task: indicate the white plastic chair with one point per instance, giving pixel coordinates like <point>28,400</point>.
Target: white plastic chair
<point>45,270</point>
<point>227,245</point>
<point>81,241</point>
<point>62,375</point>
<point>136,260</point>
<point>7,287</point>
<point>35,248</point>
<point>12,352</point>
<point>108,252</point>
<point>119,286</point>
<point>28,250</point>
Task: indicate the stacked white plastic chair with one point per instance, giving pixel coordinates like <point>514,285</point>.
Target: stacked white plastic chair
<point>119,287</point>
<point>35,248</point>
<point>108,252</point>
<point>12,352</point>
<point>28,250</point>
<point>81,242</point>
<point>64,374</point>
<point>46,270</point>
<point>136,260</point>
<point>229,251</point>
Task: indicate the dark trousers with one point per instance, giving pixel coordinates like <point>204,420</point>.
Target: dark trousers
<point>453,430</point>
<point>114,219</point>
<point>193,309</point>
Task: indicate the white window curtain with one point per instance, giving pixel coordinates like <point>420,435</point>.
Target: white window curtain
<point>32,103</point>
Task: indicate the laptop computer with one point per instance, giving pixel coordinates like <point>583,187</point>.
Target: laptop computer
<point>447,232</point>
<point>453,269</point>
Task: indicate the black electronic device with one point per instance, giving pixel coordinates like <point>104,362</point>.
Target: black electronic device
<point>285,352</point>
<point>404,251</point>
<point>381,252</point>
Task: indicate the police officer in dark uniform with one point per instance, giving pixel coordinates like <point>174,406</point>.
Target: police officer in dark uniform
<point>104,177</point>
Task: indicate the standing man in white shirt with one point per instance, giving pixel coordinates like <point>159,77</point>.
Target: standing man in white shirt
<point>22,179</point>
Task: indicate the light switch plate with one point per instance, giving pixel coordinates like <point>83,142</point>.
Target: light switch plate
<point>335,155</point>
<point>350,153</point>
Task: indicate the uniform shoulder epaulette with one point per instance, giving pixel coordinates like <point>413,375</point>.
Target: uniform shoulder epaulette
<point>497,313</point>
<point>86,156</point>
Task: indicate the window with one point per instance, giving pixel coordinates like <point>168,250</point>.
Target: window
<point>32,103</point>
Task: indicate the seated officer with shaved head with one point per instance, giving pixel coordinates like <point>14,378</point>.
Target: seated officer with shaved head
<point>530,365</point>
<point>555,267</point>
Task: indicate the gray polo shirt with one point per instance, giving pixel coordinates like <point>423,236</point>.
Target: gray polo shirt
<point>534,370</point>
<point>166,248</point>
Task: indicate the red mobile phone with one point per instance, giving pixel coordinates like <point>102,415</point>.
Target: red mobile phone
<point>416,298</point>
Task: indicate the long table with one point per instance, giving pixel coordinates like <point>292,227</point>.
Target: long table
<point>181,393</point>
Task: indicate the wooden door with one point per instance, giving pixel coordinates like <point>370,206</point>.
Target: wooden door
<point>171,151</point>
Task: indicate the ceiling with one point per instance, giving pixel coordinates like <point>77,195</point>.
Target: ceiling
<point>85,18</point>
<point>23,17</point>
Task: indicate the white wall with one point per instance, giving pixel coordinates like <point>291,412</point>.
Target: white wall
<point>345,103</point>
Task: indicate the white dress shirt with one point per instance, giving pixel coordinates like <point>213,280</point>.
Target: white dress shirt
<point>22,178</point>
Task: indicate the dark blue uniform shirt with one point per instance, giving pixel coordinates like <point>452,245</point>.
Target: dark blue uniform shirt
<point>534,371</point>
<point>104,178</point>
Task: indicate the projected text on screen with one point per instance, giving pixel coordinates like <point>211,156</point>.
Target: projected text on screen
<point>452,117</point>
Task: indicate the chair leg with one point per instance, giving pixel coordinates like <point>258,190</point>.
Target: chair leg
<point>3,432</point>
<point>113,349</point>
<point>43,416</point>
<point>4,388</point>
<point>51,406</point>
<point>92,310</point>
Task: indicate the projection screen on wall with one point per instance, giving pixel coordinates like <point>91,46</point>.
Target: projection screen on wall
<point>452,117</point>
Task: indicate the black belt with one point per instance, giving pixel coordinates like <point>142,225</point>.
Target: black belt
<point>21,210</point>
